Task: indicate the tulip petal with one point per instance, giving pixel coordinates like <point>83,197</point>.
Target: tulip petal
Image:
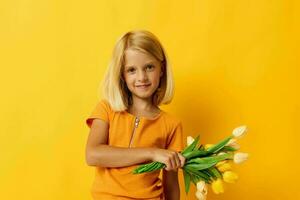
<point>200,195</point>
<point>230,177</point>
<point>200,185</point>
<point>190,147</point>
<point>189,140</point>
<point>239,131</point>
<point>240,157</point>
<point>217,186</point>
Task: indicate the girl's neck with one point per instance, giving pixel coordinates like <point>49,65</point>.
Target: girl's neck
<point>140,107</point>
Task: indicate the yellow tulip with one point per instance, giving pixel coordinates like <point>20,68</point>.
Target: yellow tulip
<point>240,157</point>
<point>221,163</point>
<point>200,195</point>
<point>239,131</point>
<point>221,153</point>
<point>230,177</point>
<point>208,146</point>
<point>224,167</point>
<point>200,185</point>
<point>217,186</point>
<point>189,140</point>
<point>233,143</point>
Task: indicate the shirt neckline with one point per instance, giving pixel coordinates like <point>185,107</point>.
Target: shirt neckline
<point>146,118</point>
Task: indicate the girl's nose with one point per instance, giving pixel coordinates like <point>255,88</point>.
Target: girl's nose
<point>142,76</point>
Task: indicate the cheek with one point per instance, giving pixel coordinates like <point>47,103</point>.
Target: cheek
<point>129,81</point>
<point>155,77</point>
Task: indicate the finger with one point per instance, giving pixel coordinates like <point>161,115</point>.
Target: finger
<point>173,160</point>
<point>182,160</point>
<point>169,164</point>
<point>167,167</point>
<point>178,162</point>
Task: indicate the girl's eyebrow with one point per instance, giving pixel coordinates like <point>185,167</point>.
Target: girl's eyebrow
<point>150,62</point>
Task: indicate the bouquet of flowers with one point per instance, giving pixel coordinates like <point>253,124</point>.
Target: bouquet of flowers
<point>208,164</point>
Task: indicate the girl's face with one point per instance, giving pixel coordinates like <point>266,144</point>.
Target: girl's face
<point>142,73</point>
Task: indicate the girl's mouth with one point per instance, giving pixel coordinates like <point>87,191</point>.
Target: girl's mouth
<point>143,86</point>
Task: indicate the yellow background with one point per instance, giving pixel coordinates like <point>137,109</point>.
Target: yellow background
<point>234,62</point>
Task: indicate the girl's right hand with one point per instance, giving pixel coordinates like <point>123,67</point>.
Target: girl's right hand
<point>170,158</point>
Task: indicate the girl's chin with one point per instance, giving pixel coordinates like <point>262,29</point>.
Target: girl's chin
<point>143,95</point>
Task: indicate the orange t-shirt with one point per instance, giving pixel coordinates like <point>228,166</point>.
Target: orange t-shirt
<point>163,131</point>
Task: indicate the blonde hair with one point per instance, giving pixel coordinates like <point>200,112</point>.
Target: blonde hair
<point>114,88</point>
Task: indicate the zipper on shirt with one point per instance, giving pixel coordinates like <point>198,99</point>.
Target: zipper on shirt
<point>136,123</point>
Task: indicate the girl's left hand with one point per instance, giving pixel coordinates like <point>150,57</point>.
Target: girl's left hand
<point>182,159</point>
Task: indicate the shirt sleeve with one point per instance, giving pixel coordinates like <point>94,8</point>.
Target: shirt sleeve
<point>100,111</point>
<point>175,138</point>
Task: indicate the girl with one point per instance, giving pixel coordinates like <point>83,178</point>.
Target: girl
<point>127,128</point>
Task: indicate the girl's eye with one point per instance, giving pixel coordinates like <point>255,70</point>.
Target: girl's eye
<point>150,66</point>
<point>130,70</point>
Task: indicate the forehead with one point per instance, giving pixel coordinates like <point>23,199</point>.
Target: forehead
<point>137,58</point>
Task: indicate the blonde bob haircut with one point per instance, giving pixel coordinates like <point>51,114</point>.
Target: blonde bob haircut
<point>114,87</point>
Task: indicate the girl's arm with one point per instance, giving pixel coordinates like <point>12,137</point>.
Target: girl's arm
<point>98,153</point>
<point>110,156</point>
<point>171,185</point>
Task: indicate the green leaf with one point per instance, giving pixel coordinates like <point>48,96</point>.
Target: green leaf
<point>201,166</point>
<point>205,171</point>
<point>191,147</point>
<point>194,178</point>
<point>195,153</point>
<point>196,172</point>
<point>159,166</point>
<point>219,145</point>
<point>149,167</point>
<point>139,169</point>
<point>197,175</point>
<point>187,181</point>
<point>215,172</point>
<point>143,168</point>
<point>228,148</point>
<point>152,167</point>
<point>210,159</point>
<point>200,173</point>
